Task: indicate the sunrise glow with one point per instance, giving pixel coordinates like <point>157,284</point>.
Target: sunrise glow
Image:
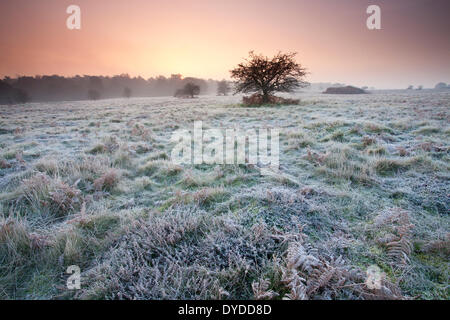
<point>207,38</point>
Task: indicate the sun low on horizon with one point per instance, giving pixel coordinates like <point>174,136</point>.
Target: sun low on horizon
<point>206,39</point>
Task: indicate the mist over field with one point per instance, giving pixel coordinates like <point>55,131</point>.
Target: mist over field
<point>58,88</point>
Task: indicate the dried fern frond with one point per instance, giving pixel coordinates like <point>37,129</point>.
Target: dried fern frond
<point>297,293</point>
<point>261,292</point>
<point>308,273</point>
<point>299,258</point>
<point>400,250</point>
<point>396,219</point>
<point>397,241</point>
<point>295,283</point>
<point>439,246</point>
<point>386,239</point>
<point>320,278</point>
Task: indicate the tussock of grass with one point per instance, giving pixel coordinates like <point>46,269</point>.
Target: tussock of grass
<point>343,163</point>
<point>150,167</point>
<point>45,196</point>
<point>19,251</point>
<point>107,181</point>
<point>427,130</point>
<point>99,148</point>
<point>374,127</point>
<point>99,225</point>
<point>158,155</point>
<point>385,166</point>
<point>85,169</point>
<point>377,150</point>
<point>204,197</point>
<point>48,165</point>
<point>367,141</point>
<point>109,145</point>
<point>192,179</point>
<point>298,139</point>
<point>170,169</point>
<point>160,168</point>
<point>15,242</point>
<point>143,183</point>
<point>122,158</point>
<point>338,136</point>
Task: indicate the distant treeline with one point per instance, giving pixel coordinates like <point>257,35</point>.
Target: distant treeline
<point>57,88</point>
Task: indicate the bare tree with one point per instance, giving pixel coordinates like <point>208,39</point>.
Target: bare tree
<point>189,90</point>
<point>268,75</point>
<point>223,88</point>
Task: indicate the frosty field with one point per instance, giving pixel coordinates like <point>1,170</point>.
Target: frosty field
<point>363,183</point>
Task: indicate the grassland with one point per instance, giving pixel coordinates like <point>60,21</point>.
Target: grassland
<point>364,180</point>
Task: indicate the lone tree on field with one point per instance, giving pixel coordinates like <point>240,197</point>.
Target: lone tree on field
<point>264,75</point>
<point>223,88</point>
<point>189,90</point>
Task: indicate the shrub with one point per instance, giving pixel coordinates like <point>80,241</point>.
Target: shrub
<point>107,181</point>
<point>43,195</point>
<point>258,99</point>
<point>189,90</point>
<point>15,242</point>
<point>386,166</point>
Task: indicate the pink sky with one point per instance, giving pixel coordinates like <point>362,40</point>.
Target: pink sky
<point>207,38</point>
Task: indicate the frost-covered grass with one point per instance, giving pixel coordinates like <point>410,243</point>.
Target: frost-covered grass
<point>364,180</point>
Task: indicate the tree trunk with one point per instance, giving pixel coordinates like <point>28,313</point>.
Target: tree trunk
<point>266,97</point>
